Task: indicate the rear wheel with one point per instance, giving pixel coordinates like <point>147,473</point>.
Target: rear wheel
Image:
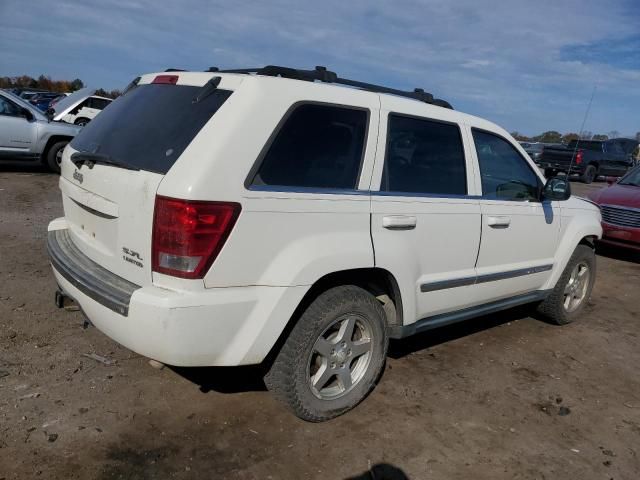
<point>81,122</point>
<point>572,292</point>
<point>589,174</point>
<point>53,156</point>
<point>333,356</point>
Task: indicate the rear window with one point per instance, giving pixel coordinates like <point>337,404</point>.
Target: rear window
<point>318,146</point>
<point>586,145</point>
<point>150,126</point>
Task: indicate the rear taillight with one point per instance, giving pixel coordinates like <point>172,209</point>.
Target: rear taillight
<point>579,157</point>
<point>188,235</point>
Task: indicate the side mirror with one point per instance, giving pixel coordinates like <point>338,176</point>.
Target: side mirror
<point>557,188</point>
<point>26,113</point>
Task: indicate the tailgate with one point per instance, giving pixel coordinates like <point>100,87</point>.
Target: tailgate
<point>109,211</point>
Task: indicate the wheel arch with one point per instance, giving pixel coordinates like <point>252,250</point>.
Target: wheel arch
<point>53,139</point>
<point>378,281</point>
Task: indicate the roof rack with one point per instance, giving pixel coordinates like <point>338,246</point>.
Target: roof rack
<point>321,74</point>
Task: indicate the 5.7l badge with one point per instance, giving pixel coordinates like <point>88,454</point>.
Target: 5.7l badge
<point>132,256</point>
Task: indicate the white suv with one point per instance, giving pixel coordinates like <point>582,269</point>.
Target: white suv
<point>244,217</point>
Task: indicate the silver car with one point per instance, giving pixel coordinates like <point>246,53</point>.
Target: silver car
<point>27,134</point>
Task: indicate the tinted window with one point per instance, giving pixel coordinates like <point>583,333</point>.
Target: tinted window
<point>150,126</point>
<point>505,174</point>
<point>586,145</point>
<point>97,103</point>
<point>318,146</point>
<point>424,156</point>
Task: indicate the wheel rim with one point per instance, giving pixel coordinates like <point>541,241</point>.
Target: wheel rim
<point>59,156</point>
<point>576,289</point>
<point>340,357</point>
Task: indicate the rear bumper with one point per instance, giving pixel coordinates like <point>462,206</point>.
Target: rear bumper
<point>211,327</point>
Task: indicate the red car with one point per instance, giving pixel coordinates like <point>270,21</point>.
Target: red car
<point>620,206</point>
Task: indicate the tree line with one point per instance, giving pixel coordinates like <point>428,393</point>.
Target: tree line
<point>552,136</point>
<point>46,83</point>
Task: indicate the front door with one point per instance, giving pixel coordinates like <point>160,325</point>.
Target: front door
<point>519,232</point>
<point>425,225</point>
<point>17,134</point>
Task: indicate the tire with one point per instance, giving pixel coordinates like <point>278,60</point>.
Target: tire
<point>81,122</point>
<point>53,156</point>
<point>556,307</point>
<point>302,374</point>
<point>589,175</point>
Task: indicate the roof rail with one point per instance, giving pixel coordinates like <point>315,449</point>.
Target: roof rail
<point>321,74</point>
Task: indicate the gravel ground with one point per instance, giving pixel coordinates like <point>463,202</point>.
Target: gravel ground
<point>504,396</point>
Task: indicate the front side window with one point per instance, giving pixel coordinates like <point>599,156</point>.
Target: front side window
<point>505,174</point>
<point>318,146</point>
<point>8,108</point>
<point>424,157</point>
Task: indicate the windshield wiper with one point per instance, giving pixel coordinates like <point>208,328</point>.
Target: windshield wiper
<point>207,89</point>
<point>91,159</point>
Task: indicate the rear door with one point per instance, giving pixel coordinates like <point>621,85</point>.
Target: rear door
<point>109,209</point>
<point>425,220</point>
<point>519,232</point>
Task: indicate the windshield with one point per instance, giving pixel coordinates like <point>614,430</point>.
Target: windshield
<point>631,178</point>
<point>150,126</point>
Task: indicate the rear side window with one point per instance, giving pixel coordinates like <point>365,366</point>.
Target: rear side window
<point>317,146</point>
<point>424,157</point>
<point>150,126</point>
<point>505,174</point>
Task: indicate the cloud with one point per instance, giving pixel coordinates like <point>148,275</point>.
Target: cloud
<point>529,66</point>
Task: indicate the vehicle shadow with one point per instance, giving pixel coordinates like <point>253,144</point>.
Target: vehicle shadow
<point>250,378</point>
<point>437,336</point>
<point>225,379</point>
<point>30,166</point>
<point>381,471</point>
<point>618,253</point>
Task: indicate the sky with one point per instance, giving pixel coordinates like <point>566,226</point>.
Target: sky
<point>529,66</point>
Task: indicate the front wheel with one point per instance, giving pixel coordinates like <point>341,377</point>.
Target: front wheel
<point>333,356</point>
<point>572,292</point>
<point>53,156</point>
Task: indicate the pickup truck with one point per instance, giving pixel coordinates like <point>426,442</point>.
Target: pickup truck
<point>590,159</point>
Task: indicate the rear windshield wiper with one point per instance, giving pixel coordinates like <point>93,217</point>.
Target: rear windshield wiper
<point>207,89</point>
<point>91,159</point>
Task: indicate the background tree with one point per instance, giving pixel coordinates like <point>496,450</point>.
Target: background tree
<point>614,134</point>
<point>586,135</point>
<point>76,84</point>
<point>600,136</point>
<point>567,137</point>
<point>551,136</point>
<point>520,137</point>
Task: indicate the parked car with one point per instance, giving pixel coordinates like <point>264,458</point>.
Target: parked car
<point>589,158</point>
<point>620,206</point>
<point>26,134</point>
<point>80,107</point>
<point>27,93</point>
<point>42,100</point>
<point>270,218</point>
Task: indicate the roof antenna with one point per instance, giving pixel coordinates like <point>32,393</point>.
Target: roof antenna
<point>584,120</point>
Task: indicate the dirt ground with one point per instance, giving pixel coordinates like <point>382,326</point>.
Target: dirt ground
<point>505,396</point>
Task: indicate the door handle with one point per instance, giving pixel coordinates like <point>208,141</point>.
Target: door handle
<point>399,222</point>
<point>499,222</point>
